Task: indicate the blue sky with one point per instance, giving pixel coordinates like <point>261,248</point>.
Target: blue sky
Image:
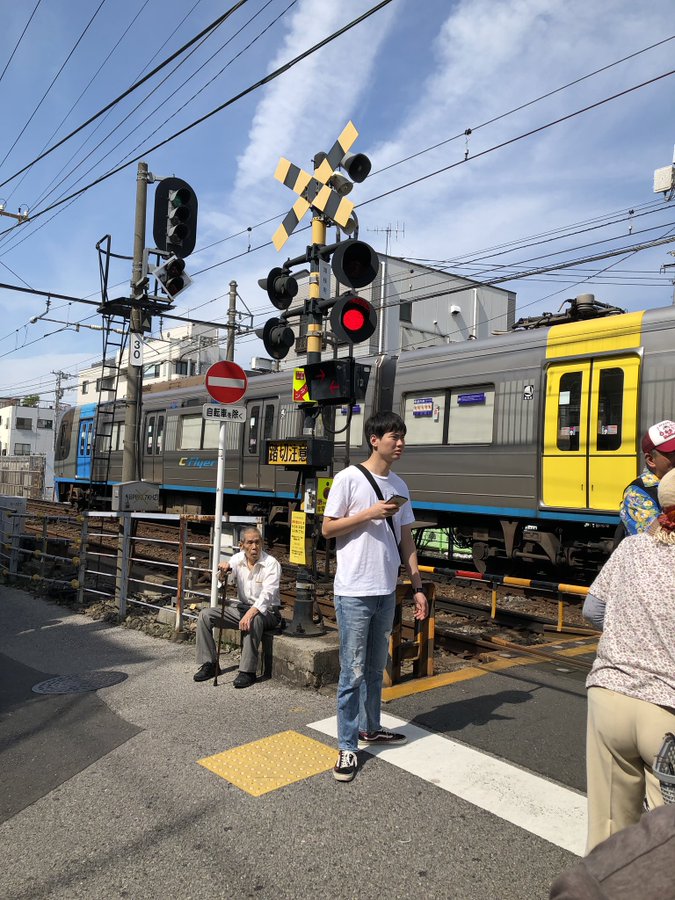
<point>416,74</point>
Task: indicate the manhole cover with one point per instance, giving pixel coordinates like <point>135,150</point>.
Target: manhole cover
<point>78,683</point>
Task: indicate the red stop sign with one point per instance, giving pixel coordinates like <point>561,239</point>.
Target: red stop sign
<point>226,382</point>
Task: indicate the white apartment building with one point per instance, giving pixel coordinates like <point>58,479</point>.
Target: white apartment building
<point>180,351</point>
<point>27,431</point>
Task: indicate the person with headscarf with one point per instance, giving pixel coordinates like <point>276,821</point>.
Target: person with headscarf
<point>631,686</point>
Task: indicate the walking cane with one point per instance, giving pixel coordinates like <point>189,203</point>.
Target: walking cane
<point>223,592</point>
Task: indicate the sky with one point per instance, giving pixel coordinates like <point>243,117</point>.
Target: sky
<point>498,142</point>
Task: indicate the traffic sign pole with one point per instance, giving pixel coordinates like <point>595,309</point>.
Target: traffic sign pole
<point>226,382</point>
<point>218,523</point>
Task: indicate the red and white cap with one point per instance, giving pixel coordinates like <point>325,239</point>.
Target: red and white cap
<point>660,437</point>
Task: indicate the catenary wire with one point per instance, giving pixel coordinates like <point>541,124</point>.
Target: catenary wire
<point>18,43</point>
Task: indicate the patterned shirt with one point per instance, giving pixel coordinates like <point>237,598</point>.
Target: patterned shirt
<point>638,509</point>
<point>636,653</point>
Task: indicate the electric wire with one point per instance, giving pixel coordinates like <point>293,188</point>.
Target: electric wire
<point>215,24</point>
<point>53,82</point>
<point>18,43</point>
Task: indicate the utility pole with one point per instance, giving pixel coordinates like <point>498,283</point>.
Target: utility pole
<point>130,454</point>
<point>231,320</point>
<point>59,391</point>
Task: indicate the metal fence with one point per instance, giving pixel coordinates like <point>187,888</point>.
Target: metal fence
<point>152,561</point>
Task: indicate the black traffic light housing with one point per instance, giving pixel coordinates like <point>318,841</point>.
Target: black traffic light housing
<point>281,287</point>
<point>172,277</point>
<point>277,336</point>
<point>352,319</point>
<point>337,381</point>
<point>355,263</point>
<point>175,224</point>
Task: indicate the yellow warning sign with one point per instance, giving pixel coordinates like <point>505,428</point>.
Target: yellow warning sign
<point>298,552</point>
<point>300,388</point>
<point>323,486</point>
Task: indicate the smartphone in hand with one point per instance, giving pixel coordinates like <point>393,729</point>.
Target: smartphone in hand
<point>397,499</point>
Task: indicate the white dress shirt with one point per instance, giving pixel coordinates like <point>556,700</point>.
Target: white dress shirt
<point>258,586</point>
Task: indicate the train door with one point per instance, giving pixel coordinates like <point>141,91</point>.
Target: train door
<point>153,446</point>
<point>589,432</point>
<point>83,465</point>
<point>260,423</point>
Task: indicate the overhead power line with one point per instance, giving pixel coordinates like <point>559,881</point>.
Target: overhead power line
<point>215,24</point>
<point>16,46</point>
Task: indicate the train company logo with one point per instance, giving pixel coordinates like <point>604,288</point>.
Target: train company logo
<point>194,462</point>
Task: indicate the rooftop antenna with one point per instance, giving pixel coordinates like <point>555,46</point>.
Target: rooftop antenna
<point>390,229</point>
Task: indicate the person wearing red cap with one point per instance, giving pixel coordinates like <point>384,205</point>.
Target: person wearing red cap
<point>640,505</point>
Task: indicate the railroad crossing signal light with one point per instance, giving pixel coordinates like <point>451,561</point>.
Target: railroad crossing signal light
<point>175,223</point>
<point>172,277</point>
<point>277,337</point>
<point>337,381</point>
<point>355,263</point>
<point>281,287</point>
<point>352,319</point>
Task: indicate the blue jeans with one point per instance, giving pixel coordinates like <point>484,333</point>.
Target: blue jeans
<point>364,626</point>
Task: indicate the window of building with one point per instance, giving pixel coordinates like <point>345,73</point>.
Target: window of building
<point>182,366</point>
<point>151,371</point>
<point>45,423</point>
<point>569,411</point>
<point>105,384</point>
<point>405,312</point>
<point>85,387</point>
<point>24,424</point>
<point>22,449</point>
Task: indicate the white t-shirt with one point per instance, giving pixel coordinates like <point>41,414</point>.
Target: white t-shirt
<point>367,558</point>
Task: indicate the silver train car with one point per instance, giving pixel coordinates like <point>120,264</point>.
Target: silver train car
<point>520,445</point>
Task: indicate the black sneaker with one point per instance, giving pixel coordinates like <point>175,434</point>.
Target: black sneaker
<point>208,670</point>
<point>244,680</point>
<point>346,766</point>
<point>381,737</point>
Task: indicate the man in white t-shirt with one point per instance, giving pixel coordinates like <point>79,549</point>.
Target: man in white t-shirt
<point>368,561</point>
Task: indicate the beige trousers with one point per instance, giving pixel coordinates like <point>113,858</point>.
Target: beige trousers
<point>622,738</point>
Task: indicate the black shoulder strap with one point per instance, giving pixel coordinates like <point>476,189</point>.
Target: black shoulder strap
<point>378,493</point>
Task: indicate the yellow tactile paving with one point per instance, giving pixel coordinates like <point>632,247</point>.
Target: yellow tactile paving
<point>271,763</point>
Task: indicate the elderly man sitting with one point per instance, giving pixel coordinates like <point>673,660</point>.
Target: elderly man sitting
<point>256,609</point>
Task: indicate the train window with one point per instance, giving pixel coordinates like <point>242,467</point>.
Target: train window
<point>149,435</point>
<point>190,433</point>
<point>211,435</point>
<point>118,436</point>
<point>471,411</point>
<point>569,411</point>
<point>159,440</point>
<point>424,417</point>
<point>253,427</point>
<point>268,424</point>
<point>610,409</point>
<point>89,432</point>
<point>83,438</point>
<point>355,426</point>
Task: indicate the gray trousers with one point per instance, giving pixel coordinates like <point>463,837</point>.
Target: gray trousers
<point>210,618</point>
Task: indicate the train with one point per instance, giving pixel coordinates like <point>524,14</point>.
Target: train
<point>518,446</point>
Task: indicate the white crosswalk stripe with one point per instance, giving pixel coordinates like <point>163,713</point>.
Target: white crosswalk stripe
<point>532,802</point>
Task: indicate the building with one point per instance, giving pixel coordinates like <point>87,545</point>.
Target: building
<point>417,306</point>
<point>27,450</point>
<point>181,351</point>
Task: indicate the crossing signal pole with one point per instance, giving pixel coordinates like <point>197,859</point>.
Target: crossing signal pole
<point>352,320</point>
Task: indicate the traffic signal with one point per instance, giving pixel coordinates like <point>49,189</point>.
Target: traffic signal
<point>175,223</point>
<point>172,277</point>
<point>352,319</point>
<point>337,381</point>
<point>277,336</point>
<point>281,287</point>
<point>355,263</point>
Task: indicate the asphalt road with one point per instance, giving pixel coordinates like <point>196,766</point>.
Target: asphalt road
<point>103,796</point>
